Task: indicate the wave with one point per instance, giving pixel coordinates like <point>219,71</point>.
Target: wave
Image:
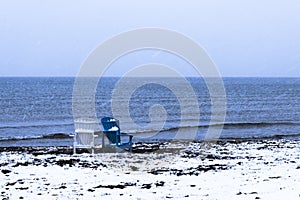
<point>259,124</point>
<point>173,129</point>
<point>33,126</point>
<point>236,125</point>
<point>276,136</point>
<point>48,136</point>
<point>229,124</point>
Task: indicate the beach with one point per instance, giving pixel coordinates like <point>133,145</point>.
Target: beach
<point>164,100</point>
<point>231,169</point>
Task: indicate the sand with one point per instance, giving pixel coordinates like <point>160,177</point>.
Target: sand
<point>260,169</point>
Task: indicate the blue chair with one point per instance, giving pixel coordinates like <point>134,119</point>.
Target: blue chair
<point>113,133</point>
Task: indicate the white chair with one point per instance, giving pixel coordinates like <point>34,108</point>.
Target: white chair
<point>85,133</point>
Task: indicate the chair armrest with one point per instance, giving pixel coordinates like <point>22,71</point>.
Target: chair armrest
<point>109,131</point>
<point>126,134</point>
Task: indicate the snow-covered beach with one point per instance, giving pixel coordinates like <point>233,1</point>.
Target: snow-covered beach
<point>254,169</point>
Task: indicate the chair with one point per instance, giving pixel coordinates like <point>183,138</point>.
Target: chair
<point>113,133</point>
<point>85,133</point>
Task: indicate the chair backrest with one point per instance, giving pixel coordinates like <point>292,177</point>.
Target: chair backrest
<point>84,125</point>
<point>113,137</point>
<point>111,129</point>
<point>110,124</point>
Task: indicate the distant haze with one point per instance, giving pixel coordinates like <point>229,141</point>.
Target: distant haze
<point>243,38</point>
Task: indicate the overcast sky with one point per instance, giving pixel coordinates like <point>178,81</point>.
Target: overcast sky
<point>244,38</point>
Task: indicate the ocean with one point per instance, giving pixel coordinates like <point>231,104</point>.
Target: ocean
<point>37,111</point>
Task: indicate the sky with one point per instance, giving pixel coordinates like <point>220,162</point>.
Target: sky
<point>243,38</point>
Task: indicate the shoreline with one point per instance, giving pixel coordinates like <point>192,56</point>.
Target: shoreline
<point>138,147</point>
<point>256,169</point>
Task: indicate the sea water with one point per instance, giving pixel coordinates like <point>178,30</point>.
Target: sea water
<point>38,110</point>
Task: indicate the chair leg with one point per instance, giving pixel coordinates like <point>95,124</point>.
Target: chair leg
<point>103,142</point>
<point>130,143</point>
<point>74,143</point>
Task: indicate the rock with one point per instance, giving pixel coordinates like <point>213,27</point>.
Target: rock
<point>69,162</point>
<point>146,186</point>
<point>160,183</point>
<point>5,171</point>
<point>22,188</point>
<point>274,177</point>
<point>11,184</point>
<point>253,193</point>
<point>111,186</point>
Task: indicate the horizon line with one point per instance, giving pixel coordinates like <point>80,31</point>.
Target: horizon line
<point>50,76</point>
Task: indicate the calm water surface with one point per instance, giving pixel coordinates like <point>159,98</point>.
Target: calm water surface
<point>32,108</point>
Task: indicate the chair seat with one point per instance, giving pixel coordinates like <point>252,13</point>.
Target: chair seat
<point>84,139</point>
<point>113,133</point>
